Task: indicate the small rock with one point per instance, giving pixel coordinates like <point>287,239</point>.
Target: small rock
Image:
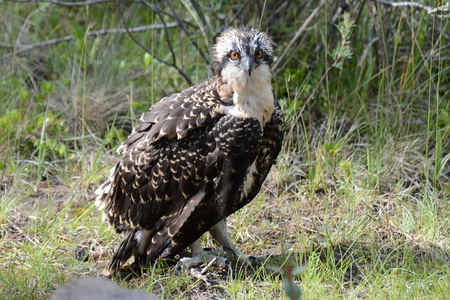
<point>98,288</point>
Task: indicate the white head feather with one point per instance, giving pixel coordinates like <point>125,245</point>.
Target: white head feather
<point>248,75</point>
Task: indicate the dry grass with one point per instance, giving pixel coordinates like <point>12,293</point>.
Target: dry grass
<point>359,196</point>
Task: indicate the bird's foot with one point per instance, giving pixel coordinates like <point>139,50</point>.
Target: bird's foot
<point>234,256</point>
<point>208,258</point>
<point>224,252</point>
<point>252,260</point>
<point>218,257</point>
<point>215,257</point>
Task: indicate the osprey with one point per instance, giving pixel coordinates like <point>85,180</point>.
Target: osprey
<point>196,157</point>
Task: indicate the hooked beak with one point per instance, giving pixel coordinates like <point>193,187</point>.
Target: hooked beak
<point>248,65</point>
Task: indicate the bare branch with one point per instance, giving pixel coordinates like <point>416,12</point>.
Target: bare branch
<point>298,34</point>
<point>64,3</point>
<point>24,48</point>
<point>182,73</point>
<point>235,16</point>
<point>201,26</point>
<point>430,10</point>
<point>158,11</point>
<point>5,45</point>
<point>188,34</point>
<point>336,61</point>
<point>204,25</point>
<point>89,2</point>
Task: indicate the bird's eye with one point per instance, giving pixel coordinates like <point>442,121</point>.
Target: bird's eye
<point>259,54</point>
<point>234,55</point>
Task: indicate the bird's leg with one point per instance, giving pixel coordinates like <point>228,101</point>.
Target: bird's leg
<point>220,234</point>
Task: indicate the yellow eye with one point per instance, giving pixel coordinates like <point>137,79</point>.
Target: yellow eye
<point>234,55</point>
<point>258,54</point>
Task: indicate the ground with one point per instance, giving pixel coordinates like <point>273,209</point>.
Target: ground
<point>342,240</point>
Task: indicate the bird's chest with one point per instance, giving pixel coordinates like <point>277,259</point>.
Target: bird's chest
<point>256,105</point>
<point>255,99</point>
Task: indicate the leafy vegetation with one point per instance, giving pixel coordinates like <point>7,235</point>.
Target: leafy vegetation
<point>359,199</point>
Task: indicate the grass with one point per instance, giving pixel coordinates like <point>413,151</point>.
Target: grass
<point>360,193</point>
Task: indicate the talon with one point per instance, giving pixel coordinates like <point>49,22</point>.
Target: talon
<point>230,267</point>
<point>177,268</point>
<point>251,258</point>
<point>186,263</point>
<point>229,249</point>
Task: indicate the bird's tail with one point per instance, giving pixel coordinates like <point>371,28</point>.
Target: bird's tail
<point>122,254</point>
<point>135,243</point>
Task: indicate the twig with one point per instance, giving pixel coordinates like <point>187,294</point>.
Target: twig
<point>345,32</point>
<point>158,11</point>
<point>298,34</point>
<point>64,3</point>
<point>320,82</point>
<point>85,3</point>
<point>182,73</point>
<point>237,14</point>
<point>200,13</point>
<point>213,261</point>
<point>195,15</point>
<point>184,28</point>
<point>5,45</point>
<point>430,10</point>
<point>161,11</point>
<point>71,37</point>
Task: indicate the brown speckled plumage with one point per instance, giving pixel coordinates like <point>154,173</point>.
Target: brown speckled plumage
<point>183,169</point>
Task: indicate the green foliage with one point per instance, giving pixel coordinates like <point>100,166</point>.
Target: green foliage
<point>52,127</point>
<point>147,59</point>
<point>359,194</point>
<point>115,137</point>
<point>343,50</point>
<point>293,291</point>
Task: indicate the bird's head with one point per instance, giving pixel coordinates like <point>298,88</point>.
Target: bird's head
<point>242,55</point>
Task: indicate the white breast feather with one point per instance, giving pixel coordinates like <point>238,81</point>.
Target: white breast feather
<point>253,95</point>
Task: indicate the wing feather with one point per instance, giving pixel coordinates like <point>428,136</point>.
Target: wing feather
<point>170,116</point>
<point>268,152</point>
<point>236,145</point>
<point>138,177</point>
